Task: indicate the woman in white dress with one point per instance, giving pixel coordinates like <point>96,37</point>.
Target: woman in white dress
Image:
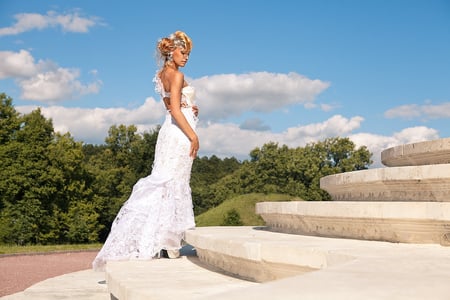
<point>159,210</point>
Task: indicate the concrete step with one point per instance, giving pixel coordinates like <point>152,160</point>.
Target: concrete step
<point>166,279</point>
<point>255,254</point>
<point>411,183</point>
<point>405,222</point>
<point>338,268</point>
<point>415,154</point>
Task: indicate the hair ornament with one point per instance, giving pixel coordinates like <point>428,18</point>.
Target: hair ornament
<point>177,41</point>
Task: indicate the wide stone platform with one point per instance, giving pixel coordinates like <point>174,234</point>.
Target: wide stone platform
<point>166,279</point>
<point>293,267</point>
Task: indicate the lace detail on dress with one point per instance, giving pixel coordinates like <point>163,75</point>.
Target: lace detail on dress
<point>187,93</point>
<point>159,88</point>
<point>159,209</point>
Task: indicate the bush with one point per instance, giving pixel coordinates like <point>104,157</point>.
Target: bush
<point>232,218</point>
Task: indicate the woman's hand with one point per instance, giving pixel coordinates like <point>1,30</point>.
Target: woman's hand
<point>195,110</point>
<point>167,103</point>
<point>195,145</point>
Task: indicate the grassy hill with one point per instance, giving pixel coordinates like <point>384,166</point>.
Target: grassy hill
<point>244,205</point>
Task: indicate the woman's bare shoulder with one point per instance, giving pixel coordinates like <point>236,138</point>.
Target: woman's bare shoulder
<point>174,74</point>
<point>177,77</point>
<point>170,75</point>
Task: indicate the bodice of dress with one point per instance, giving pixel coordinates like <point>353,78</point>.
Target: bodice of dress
<point>187,93</point>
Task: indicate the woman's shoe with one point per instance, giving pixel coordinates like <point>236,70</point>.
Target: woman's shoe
<point>168,253</point>
<point>173,253</point>
<point>163,254</point>
<point>157,255</point>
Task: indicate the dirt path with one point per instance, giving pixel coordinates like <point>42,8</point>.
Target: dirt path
<point>18,272</point>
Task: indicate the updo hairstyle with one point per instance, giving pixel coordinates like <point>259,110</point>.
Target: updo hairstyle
<point>167,45</point>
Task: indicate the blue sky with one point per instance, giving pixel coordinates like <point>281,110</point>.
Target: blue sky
<point>291,72</point>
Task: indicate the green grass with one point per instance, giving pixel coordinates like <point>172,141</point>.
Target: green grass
<point>245,206</point>
<point>14,249</point>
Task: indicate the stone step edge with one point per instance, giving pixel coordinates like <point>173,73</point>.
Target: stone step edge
<point>167,279</point>
<point>421,153</point>
<point>411,183</point>
<point>438,211</point>
<point>419,223</point>
<point>376,270</point>
<point>255,254</point>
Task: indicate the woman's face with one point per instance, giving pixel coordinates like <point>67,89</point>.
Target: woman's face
<point>180,56</point>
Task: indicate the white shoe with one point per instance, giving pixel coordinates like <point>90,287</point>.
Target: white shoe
<point>173,253</point>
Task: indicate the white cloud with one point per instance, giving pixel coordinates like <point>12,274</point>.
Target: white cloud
<point>222,96</point>
<point>436,111</point>
<point>91,125</point>
<point>254,124</point>
<point>409,111</point>
<point>55,85</point>
<point>17,64</point>
<point>44,81</point>
<point>335,126</point>
<point>70,22</point>
<point>223,99</point>
<point>230,140</point>
<point>415,111</point>
<point>327,107</point>
<point>377,143</point>
<point>225,140</point>
<point>415,134</point>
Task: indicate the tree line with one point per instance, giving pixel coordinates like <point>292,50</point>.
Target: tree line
<point>54,189</point>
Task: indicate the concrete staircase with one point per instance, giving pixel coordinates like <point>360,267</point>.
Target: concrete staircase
<point>385,236</point>
<point>407,204</point>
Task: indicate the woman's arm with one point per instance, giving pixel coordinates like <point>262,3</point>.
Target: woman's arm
<point>176,85</point>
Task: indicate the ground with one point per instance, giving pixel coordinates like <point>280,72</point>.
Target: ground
<point>19,272</point>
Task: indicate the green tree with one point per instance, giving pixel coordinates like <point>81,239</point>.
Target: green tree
<point>205,172</point>
<point>9,119</point>
<point>24,162</point>
<point>116,166</point>
<point>66,167</point>
<point>82,223</point>
<point>143,153</point>
<point>42,174</point>
<point>293,171</point>
<point>21,223</point>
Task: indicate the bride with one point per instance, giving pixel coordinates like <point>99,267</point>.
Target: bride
<point>153,220</point>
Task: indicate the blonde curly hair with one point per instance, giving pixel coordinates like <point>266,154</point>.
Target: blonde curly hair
<point>167,45</point>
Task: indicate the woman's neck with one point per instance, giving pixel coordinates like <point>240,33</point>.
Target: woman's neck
<point>172,66</point>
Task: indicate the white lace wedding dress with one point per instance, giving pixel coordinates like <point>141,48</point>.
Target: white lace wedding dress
<point>159,209</point>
